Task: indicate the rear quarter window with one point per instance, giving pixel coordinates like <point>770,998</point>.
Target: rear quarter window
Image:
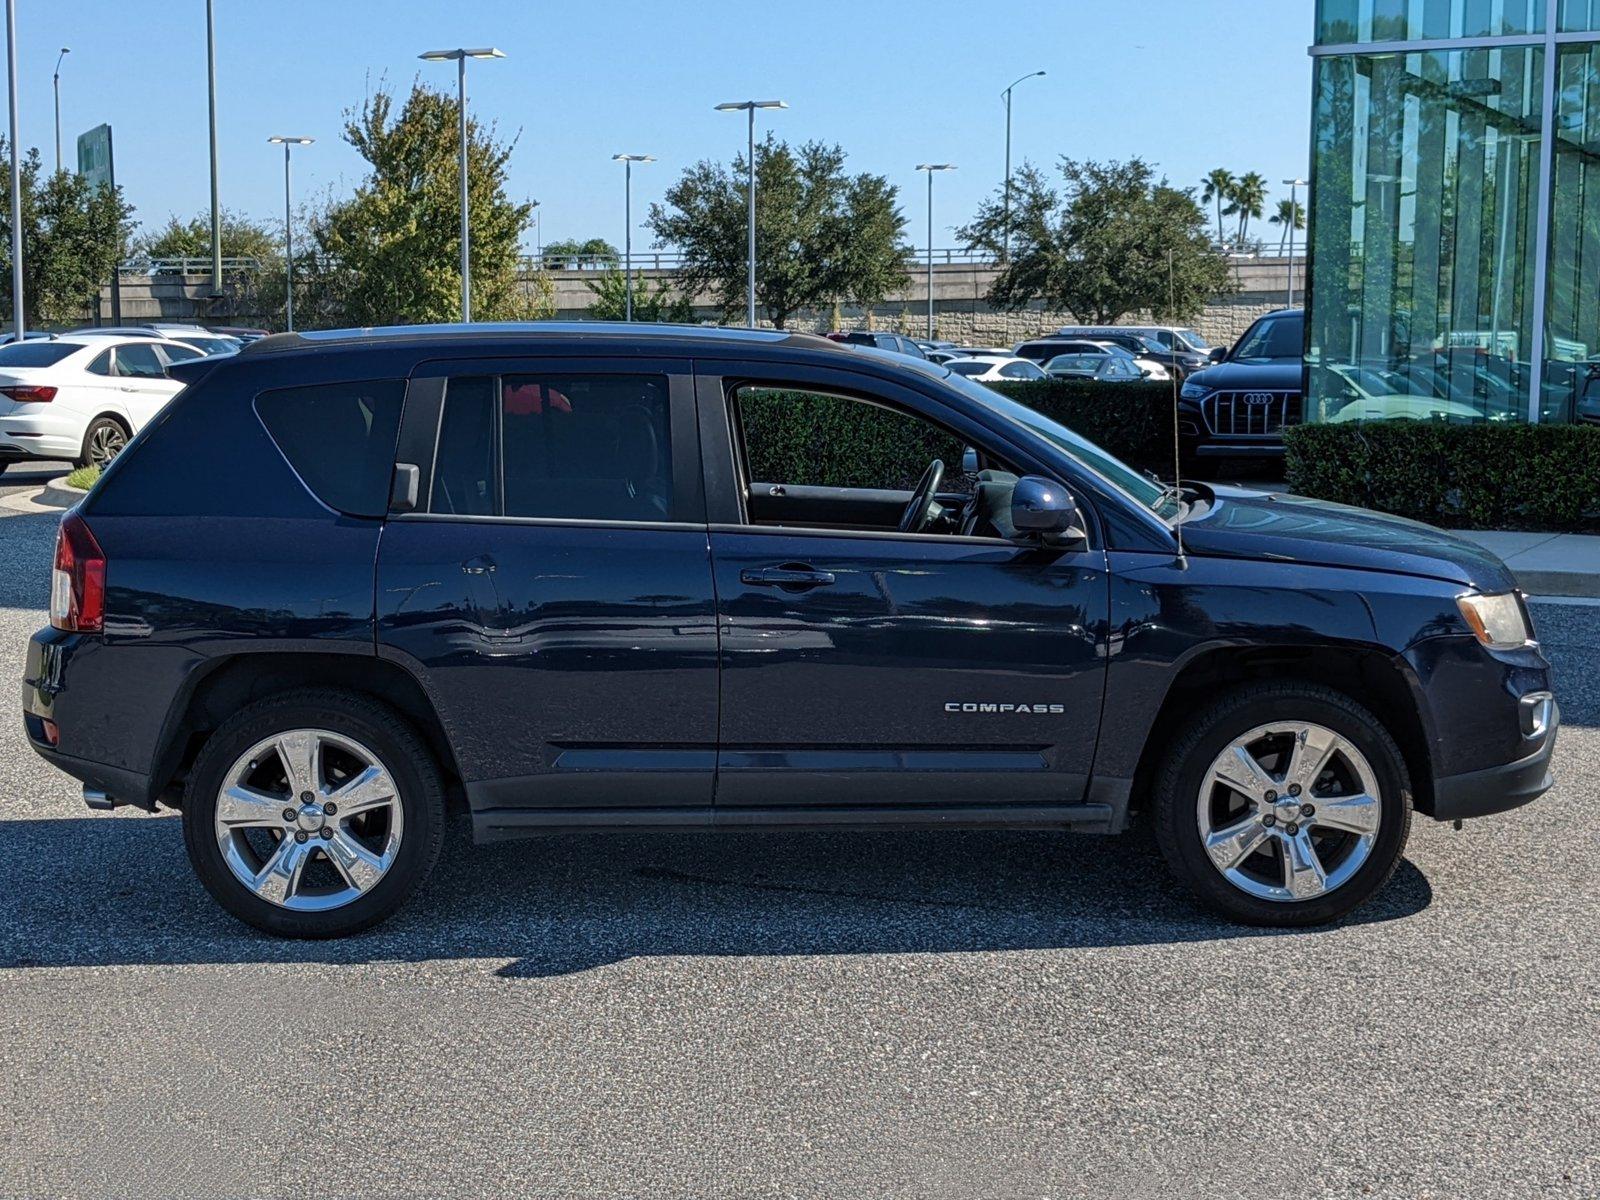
<point>339,438</point>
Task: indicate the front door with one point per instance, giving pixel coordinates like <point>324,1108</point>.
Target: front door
<point>941,670</point>
<point>555,584</point>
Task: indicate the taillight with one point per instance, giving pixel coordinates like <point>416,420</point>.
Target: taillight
<point>78,583</point>
<point>24,394</point>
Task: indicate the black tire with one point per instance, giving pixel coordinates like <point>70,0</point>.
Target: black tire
<point>110,424</point>
<point>1210,731</point>
<point>412,767</point>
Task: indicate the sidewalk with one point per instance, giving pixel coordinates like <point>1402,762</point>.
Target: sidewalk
<point>1547,564</point>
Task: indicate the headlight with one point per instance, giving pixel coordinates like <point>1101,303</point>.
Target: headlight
<point>1496,621</point>
<point>1194,391</point>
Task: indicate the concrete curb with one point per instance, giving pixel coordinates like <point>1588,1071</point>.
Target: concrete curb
<point>57,494</point>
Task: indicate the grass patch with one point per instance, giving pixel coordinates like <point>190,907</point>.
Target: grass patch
<point>83,477</point>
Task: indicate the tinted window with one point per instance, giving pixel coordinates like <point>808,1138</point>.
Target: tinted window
<point>101,364</point>
<point>1020,370</point>
<point>139,360</point>
<point>464,481</point>
<point>35,354</point>
<point>178,352</point>
<point>595,446</point>
<point>579,447</point>
<point>1274,337</point>
<point>970,368</point>
<point>339,437</point>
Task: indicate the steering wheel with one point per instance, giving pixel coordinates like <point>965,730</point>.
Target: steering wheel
<point>919,512</point>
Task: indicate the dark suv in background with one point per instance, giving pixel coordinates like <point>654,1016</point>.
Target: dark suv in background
<point>586,577</point>
<point>1239,408</point>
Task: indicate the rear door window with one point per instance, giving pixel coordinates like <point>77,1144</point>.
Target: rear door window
<point>558,446</point>
<point>339,438</point>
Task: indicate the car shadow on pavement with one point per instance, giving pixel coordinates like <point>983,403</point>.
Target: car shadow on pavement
<point>117,890</point>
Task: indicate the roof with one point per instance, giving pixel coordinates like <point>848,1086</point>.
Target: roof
<point>704,336</point>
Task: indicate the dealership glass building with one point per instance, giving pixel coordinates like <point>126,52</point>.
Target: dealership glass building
<point>1455,210</point>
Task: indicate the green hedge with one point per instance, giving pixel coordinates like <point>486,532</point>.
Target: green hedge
<point>803,438</point>
<point>1544,477</point>
<point>1131,420</point>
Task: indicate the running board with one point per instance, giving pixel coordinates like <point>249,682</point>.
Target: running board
<point>502,824</point>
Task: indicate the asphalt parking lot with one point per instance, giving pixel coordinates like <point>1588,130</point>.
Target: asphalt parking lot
<point>918,1015</point>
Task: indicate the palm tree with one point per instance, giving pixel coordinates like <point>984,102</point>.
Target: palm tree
<point>1248,199</point>
<point>1219,185</point>
<point>1291,215</point>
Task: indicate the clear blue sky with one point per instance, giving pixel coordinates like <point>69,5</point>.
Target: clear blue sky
<point>1187,84</point>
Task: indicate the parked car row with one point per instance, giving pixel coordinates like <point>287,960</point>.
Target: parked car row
<point>81,396</point>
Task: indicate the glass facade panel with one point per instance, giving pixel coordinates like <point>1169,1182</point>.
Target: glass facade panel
<point>1572,318</point>
<point>1344,21</point>
<point>1423,232</point>
<point>1578,16</point>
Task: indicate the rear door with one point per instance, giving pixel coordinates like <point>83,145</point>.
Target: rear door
<point>939,674</point>
<point>553,587</point>
<point>140,376</point>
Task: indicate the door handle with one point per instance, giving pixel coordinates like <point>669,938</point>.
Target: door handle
<point>791,577</point>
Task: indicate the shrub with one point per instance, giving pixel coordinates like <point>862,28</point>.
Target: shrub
<point>805,438</point>
<point>83,477</point>
<point>1131,420</point>
<point>1492,476</point>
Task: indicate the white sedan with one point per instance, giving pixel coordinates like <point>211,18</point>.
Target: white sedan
<point>82,396</point>
<point>995,368</point>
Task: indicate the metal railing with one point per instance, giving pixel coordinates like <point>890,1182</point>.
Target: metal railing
<point>671,260</point>
<point>194,265</point>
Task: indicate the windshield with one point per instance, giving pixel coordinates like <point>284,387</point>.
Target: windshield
<point>1139,487</point>
<point>1273,338</point>
<point>1193,340</point>
<point>35,354</point>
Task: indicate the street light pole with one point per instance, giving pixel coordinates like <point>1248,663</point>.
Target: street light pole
<point>18,325</point>
<point>211,101</point>
<point>930,168</point>
<point>1294,213</point>
<point>750,106</point>
<point>1005,253</point>
<point>459,57</point>
<point>627,161</point>
<point>55,81</point>
<point>288,229</point>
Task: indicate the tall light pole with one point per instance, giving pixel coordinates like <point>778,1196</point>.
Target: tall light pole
<point>55,81</point>
<point>750,106</point>
<point>459,57</point>
<point>16,173</point>
<point>211,101</point>
<point>627,161</point>
<point>1294,186</point>
<point>288,229</point>
<point>1005,254</point>
<point>931,168</point>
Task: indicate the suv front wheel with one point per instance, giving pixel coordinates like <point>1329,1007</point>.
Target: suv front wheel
<point>313,813</point>
<point>1283,804</point>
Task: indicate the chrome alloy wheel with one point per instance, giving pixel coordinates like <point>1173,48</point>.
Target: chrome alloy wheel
<point>106,442</point>
<point>309,819</point>
<point>1289,811</point>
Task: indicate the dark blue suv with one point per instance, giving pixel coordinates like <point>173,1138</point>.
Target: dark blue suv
<point>589,576</point>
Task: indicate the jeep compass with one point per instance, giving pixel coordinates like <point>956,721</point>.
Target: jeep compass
<point>601,577</point>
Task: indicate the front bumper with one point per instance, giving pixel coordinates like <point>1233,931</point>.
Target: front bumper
<point>1497,789</point>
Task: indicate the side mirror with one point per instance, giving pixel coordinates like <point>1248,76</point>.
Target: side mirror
<point>1218,354</point>
<point>1045,511</point>
<point>969,461</point>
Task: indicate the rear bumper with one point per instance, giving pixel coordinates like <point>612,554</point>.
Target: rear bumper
<point>1497,789</point>
<point>39,436</point>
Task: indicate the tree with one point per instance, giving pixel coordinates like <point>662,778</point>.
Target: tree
<point>1218,189</point>
<point>1116,241</point>
<point>242,237</point>
<point>74,236</point>
<point>656,303</point>
<point>1248,198</point>
<point>565,255</point>
<point>821,235</point>
<point>1291,215</point>
<point>391,252</point>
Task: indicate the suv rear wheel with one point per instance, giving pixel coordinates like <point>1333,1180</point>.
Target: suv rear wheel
<point>1283,804</point>
<point>313,813</point>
